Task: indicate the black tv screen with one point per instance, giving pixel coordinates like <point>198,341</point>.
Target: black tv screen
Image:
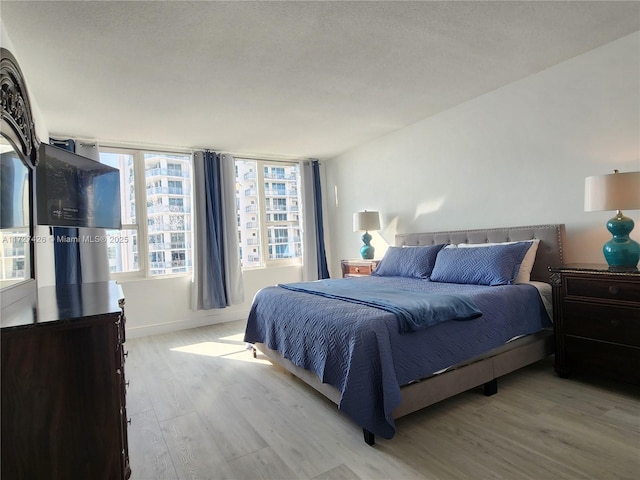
<point>75,191</point>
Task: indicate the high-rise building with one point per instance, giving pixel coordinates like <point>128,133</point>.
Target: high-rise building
<point>13,262</point>
<point>168,183</point>
<point>272,189</point>
<point>167,193</point>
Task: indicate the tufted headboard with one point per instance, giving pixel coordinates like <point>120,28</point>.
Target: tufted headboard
<point>549,250</point>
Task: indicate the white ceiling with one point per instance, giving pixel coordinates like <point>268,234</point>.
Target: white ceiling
<point>304,79</point>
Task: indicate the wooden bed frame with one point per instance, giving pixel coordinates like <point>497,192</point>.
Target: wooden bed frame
<point>484,369</point>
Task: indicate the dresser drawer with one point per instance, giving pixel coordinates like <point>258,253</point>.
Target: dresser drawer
<point>602,290</point>
<point>611,324</point>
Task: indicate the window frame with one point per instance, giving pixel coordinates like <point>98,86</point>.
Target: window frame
<point>265,261</point>
<point>142,227</point>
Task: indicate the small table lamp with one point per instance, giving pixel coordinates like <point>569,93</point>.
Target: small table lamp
<point>365,221</point>
<point>616,191</point>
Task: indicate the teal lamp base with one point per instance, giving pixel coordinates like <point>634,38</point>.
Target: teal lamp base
<point>621,252</point>
<point>367,251</point>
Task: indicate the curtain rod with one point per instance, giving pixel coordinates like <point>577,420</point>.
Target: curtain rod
<point>183,150</point>
<point>125,144</point>
<point>271,160</point>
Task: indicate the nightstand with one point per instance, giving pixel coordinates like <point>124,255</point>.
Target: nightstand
<point>596,316</point>
<point>358,268</point>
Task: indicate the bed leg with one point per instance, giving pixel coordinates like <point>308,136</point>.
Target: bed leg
<point>491,388</point>
<point>369,437</point>
<point>255,352</point>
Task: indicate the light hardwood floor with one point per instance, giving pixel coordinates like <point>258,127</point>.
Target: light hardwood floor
<point>202,408</point>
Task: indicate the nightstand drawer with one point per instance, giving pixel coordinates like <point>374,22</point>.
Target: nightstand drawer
<point>615,361</point>
<point>363,269</point>
<point>602,289</point>
<point>357,268</point>
<point>610,324</point>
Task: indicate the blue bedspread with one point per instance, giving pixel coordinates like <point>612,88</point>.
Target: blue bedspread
<point>359,350</point>
<point>414,310</point>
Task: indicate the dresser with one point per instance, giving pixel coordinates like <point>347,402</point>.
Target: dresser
<point>358,267</point>
<point>63,384</point>
<point>597,321</point>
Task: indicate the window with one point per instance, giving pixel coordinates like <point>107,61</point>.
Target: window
<point>121,244</point>
<point>155,207</point>
<point>279,204</point>
<point>266,195</point>
<point>281,235</point>
<point>174,169</point>
<point>175,187</point>
<point>156,242</point>
<point>12,255</point>
<point>178,258</point>
<point>178,240</point>
<point>176,204</point>
<point>275,188</point>
<point>156,262</point>
<point>274,172</point>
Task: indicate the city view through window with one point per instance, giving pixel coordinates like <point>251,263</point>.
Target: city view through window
<point>166,197</point>
<point>269,217</point>
<point>155,191</point>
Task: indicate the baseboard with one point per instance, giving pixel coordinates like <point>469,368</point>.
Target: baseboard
<point>168,327</point>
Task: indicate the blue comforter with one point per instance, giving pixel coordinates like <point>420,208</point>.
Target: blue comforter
<point>414,310</point>
<point>359,350</point>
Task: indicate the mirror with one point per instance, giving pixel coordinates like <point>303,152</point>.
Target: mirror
<point>18,158</point>
<point>15,218</point>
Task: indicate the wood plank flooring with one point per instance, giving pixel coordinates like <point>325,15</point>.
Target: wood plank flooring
<point>202,407</point>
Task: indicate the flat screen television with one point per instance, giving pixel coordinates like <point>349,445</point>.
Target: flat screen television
<point>75,191</point>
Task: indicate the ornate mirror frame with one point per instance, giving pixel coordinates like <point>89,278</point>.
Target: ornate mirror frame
<point>18,128</point>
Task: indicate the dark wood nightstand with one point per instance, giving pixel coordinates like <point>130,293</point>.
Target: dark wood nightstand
<point>596,315</point>
<point>358,267</point>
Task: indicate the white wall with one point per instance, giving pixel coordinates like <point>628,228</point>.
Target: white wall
<point>44,246</point>
<point>164,305</point>
<point>515,156</point>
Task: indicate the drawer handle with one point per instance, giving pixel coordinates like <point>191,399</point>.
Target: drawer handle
<point>357,269</point>
<point>613,290</point>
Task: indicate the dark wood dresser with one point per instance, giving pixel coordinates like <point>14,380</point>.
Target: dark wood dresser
<point>63,385</point>
<point>597,321</point>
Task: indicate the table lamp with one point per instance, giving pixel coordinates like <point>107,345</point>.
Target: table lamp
<point>616,191</point>
<point>365,221</point>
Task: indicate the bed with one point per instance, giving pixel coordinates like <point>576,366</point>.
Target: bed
<point>359,342</point>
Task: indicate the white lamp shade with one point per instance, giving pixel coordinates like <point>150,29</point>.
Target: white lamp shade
<point>365,221</point>
<point>617,191</point>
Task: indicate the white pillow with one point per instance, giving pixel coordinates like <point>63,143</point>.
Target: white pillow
<point>524,274</point>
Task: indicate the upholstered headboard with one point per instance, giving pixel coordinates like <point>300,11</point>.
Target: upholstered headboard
<point>549,250</point>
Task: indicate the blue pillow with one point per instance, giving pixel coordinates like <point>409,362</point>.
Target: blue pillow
<point>495,265</point>
<point>414,262</point>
